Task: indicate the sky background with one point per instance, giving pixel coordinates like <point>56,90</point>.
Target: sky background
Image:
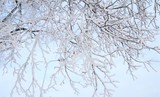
<point>147,83</point>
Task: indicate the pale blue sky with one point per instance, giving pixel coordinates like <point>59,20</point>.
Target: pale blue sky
<point>147,84</point>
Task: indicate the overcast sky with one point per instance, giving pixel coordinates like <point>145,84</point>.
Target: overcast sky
<point>147,84</point>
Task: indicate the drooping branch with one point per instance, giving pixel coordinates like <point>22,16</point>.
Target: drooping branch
<point>86,36</point>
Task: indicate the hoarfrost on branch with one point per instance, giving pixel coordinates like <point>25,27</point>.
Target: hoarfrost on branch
<point>83,37</point>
